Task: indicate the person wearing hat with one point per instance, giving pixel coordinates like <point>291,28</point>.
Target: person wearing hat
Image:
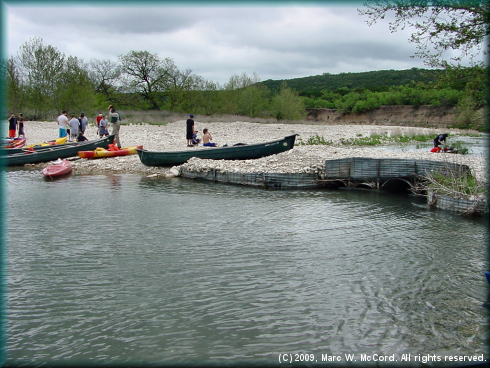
<point>116,124</point>
<point>190,130</point>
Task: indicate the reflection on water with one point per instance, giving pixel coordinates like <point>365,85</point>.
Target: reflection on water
<point>125,268</point>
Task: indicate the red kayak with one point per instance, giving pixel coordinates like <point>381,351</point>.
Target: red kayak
<point>15,143</point>
<point>57,170</point>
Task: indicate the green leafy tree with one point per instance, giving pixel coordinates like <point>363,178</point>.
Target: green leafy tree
<point>253,100</point>
<point>287,105</point>
<point>207,99</point>
<point>14,89</point>
<point>460,25</point>
<point>41,66</point>
<point>234,87</point>
<point>177,86</point>
<point>75,91</point>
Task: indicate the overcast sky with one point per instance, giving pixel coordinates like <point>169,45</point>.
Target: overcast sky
<point>277,41</point>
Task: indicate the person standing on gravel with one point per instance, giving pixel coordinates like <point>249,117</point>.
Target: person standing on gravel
<point>83,122</point>
<point>189,130</point>
<point>12,125</point>
<point>63,123</point>
<point>116,124</point>
<point>74,124</point>
<point>21,126</point>
<point>103,126</point>
<point>98,119</point>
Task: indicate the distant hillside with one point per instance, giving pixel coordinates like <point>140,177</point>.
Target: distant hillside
<point>375,81</point>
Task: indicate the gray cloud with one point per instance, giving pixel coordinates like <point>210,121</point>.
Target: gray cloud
<point>276,42</point>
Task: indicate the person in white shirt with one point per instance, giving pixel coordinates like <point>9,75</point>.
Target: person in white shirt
<point>62,123</point>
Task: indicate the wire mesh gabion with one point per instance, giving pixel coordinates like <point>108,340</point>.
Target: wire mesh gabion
<point>264,180</point>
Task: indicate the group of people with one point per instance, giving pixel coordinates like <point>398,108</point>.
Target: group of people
<point>439,141</point>
<point>191,135</point>
<point>75,128</point>
<point>15,123</point>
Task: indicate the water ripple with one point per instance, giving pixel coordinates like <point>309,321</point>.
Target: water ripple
<point>180,271</point>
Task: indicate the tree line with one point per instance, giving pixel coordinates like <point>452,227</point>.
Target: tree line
<point>41,82</point>
<point>379,80</point>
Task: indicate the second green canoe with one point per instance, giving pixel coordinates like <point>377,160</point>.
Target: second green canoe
<point>241,152</point>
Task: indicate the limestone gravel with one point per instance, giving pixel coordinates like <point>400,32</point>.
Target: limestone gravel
<point>301,159</point>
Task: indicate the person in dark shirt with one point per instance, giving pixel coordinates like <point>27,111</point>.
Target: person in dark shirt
<point>81,137</point>
<point>21,126</point>
<point>440,139</point>
<point>189,130</point>
<point>13,126</point>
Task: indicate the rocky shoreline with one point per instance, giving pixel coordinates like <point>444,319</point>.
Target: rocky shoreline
<point>301,159</point>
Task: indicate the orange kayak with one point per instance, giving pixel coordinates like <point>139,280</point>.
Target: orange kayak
<point>111,152</point>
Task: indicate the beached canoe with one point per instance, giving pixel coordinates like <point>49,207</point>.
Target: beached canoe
<point>55,152</point>
<point>102,152</point>
<point>58,169</point>
<point>239,152</point>
<point>34,147</point>
<point>48,143</point>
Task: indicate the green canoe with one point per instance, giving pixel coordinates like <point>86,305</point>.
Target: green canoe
<point>52,153</point>
<point>11,151</point>
<point>239,152</point>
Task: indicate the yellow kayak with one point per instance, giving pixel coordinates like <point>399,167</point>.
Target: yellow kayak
<point>102,152</point>
<point>50,143</point>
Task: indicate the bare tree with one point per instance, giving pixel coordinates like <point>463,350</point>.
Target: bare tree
<point>145,73</point>
<point>241,81</point>
<point>104,74</point>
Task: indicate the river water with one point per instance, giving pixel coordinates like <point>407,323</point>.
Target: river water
<point>126,269</point>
